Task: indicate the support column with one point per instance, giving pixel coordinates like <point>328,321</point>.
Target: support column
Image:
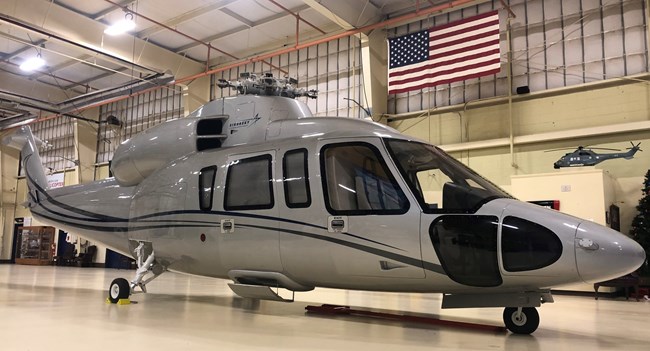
<point>375,77</point>
<point>85,138</point>
<point>8,186</point>
<point>196,94</point>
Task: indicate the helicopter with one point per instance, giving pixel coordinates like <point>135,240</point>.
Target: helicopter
<point>254,189</point>
<point>585,156</point>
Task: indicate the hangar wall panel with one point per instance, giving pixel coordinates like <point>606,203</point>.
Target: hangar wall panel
<point>59,152</point>
<point>137,114</point>
<point>555,43</point>
<point>597,107</point>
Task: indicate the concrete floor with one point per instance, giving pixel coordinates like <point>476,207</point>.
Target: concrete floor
<point>61,308</point>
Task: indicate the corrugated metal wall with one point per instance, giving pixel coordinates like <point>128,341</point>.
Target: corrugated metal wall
<point>334,68</point>
<point>136,113</point>
<point>58,152</point>
<point>555,43</point>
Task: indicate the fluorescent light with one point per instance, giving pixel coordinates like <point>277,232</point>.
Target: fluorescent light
<point>120,27</point>
<point>32,63</point>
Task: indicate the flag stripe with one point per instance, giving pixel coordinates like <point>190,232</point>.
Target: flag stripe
<point>452,63</point>
<point>436,35</point>
<point>465,21</point>
<point>462,42</point>
<point>450,68</point>
<point>469,46</point>
<point>460,50</point>
<point>454,54</point>
<point>449,79</point>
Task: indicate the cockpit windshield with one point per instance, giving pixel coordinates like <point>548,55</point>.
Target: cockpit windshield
<point>441,183</point>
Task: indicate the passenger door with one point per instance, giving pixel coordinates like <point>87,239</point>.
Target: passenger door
<point>374,222</point>
<point>249,228</point>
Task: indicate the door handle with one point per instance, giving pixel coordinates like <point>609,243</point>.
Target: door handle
<point>337,224</point>
<point>227,226</point>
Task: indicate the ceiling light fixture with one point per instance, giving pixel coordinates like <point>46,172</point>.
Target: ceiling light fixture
<point>122,26</point>
<point>32,63</point>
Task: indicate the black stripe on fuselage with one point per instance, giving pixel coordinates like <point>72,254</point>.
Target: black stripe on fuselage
<point>257,216</point>
<point>65,206</point>
<point>140,219</point>
<point>123,229</point>
<point>383,253</point>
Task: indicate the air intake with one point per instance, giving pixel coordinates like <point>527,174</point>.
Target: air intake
<point>209,132</point>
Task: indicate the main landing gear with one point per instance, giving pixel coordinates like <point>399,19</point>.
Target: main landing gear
<point>521,320</point>
<point>121,289</point>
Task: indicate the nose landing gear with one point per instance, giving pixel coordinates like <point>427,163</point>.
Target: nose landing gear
<point>521,320</point>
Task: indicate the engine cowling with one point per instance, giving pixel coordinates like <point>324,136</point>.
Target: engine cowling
<point>137,158</point>
<point>232,121</point>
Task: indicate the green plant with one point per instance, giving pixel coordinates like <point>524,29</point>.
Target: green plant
<point>641,224</point>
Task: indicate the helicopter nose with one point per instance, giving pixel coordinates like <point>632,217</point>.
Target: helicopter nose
<point>603,253</point>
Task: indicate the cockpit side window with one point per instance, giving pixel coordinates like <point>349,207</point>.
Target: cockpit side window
<point>357,181</point>
<point>207,176</point>
<point>440,183</point>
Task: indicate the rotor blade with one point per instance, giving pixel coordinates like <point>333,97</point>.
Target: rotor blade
<point>560,149</point>
<point>634,146</point>
<point>603,148</point>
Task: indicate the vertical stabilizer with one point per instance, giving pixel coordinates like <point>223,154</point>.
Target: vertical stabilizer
<point>23,140</point>
<point>630,154</point>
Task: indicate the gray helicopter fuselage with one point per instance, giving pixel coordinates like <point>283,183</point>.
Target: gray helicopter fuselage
<point>277,197</point>
<point>590,158</point>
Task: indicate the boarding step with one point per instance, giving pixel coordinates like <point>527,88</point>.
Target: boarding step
<point>261,292</point>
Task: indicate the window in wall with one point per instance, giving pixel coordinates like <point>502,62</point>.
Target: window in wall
<point>249,184</point>
<point>357,181</point>
<point>296,179</point>
<point>206,187</point>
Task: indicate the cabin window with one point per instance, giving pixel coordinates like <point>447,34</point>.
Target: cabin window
<point>527,246</point>
<point>467,248</point>
<point>296,179</point>
<point>249,184</point>
<point>206,187</point>
<point>357,181</point>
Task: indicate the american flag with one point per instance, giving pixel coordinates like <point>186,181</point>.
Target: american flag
<point>453,52</point>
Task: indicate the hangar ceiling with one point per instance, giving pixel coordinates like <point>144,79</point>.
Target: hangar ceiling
<point>184,37</point>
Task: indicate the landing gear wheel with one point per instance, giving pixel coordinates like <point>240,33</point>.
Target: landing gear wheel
<point>524,322</point>
<point>119,289</point>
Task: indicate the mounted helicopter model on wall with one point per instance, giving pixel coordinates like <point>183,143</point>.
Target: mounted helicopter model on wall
<point>254,189</point>
<point>585,156</point>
